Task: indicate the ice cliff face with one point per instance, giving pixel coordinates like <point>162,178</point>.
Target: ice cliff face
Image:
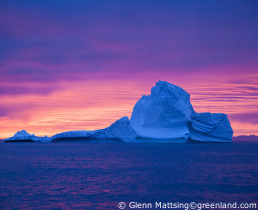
<point>210,127</point>
<point>168,114</point>
<point>70,134</point>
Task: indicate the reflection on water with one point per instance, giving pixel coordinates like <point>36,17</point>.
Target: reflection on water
<point>87,175</point>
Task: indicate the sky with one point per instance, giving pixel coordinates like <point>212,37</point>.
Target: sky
<point>81,65</point>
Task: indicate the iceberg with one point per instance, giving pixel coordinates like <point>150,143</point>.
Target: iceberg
<point>121,130</point>
<point>166,115</point>
<point>24,136</point>
<point>20,136</point>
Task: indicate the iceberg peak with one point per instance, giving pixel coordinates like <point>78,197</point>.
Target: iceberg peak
<point>164,114</point>
<point>23,133</point>
<point>164,88</point>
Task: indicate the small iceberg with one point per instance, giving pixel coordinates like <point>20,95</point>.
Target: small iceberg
<point>24,136</point>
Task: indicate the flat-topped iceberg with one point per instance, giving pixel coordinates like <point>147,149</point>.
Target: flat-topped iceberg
<point>71,134</point>
<point>166,115</point>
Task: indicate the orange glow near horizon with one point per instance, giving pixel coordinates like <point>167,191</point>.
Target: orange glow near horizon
<point>96,104</point>
<point>77,107</point>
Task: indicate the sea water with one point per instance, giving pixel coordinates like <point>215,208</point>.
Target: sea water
<point>91,175</point>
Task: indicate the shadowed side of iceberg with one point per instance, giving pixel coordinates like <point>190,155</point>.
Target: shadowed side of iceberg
<point>71,135</point>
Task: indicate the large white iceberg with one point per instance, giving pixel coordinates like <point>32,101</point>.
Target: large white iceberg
<point>24,136</point>
<point>167,115</point>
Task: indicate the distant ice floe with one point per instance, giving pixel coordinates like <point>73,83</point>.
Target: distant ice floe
<point>24,136</point>
<point>166,115</point>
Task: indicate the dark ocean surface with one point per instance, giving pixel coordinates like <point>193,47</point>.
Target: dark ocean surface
<point>88,175</point>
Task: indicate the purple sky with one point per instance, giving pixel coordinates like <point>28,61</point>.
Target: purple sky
<point>93,58</point>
